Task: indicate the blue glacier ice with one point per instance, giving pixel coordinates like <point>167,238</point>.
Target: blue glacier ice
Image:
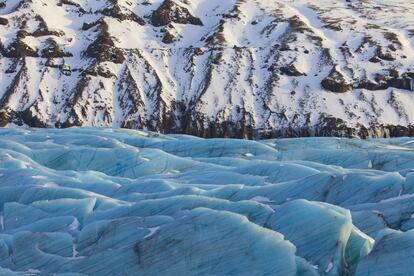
<point>85,201</point>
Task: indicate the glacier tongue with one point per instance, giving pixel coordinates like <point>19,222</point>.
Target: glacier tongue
<point>122,202</point>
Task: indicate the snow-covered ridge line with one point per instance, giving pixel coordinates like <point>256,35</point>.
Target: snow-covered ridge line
<point>245,69</point>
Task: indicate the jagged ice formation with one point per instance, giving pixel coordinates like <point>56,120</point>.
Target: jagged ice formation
<point>124,202</point>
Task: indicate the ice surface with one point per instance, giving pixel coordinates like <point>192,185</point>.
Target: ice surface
<point>122,202</point>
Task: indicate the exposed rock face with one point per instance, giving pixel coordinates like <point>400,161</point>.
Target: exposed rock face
<point>52,50</point>
<point>4,118</point>
<point>170,11</point>
<point>336,82</point>
<point>405,82</point>
<point>103,48</point>
<point>4,21</point>
<point>43,29</point>
<point>291,71</point>
<point>168,38</point>
<point>19,49</point>
<point>245,69</point>
<point>386,55</point>
<point>116,11</point>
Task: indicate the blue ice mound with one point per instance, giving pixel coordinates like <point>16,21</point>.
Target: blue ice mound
<point>391,255</point>
<point>124,202</point>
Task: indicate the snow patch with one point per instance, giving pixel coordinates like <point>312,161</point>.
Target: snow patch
<point>260,199</point>
<point>152,231</point>
<point>329,267</point>
<point>74,225</point>
<point>40,177</point>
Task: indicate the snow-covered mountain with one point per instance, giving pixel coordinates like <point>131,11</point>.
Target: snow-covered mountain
<point>234,68</point>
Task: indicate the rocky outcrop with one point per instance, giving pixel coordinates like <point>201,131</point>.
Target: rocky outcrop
<point>4,21</point>
<point>115,11</point>
<point>18,49</point>
<point>382,82</point>
<point>386,55</point>
<point>44,30</point>
<point>168,38</point>
<point>169,12</point>
<point>336,82</point>
<point>52,50</point>
<point>291,71</point>
<point>4,117</point>
<point>103,48</point>
<point>30,118</point>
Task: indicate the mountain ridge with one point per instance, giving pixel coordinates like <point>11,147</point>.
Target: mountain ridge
<point>244,69</point>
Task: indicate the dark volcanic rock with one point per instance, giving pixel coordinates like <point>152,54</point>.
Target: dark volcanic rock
<point>371,85</point>
<point>116,12</point>
<point>22,33</point>
<point>71,3</point>
<point>335,82</point>
<point>168,38</point>
<point>291,71</point>
<point>97,70</point>
<point>169,12</point>
<point>385,54</point>
<point>18,49</point>
<point>193,123</point>
<point>52,50</point>
<point>4,118</point>
<point>404,82</point>
<point>103,48</point>
<point>31,119</point>
<point>4,21</point>
<point>46,32</point>
<point>297,25</point>
<point>43,29</point>
<point>88,25</point>
<point>334,127</point>
<point>375,59</point>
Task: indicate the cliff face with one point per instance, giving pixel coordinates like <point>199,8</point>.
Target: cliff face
<point>234,68</point>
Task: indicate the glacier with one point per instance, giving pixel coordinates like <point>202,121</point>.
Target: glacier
<point>87,201</point>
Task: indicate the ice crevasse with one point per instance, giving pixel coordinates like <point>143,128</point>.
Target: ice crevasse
<point>85,201</point>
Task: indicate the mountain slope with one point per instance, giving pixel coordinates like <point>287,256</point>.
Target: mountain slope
<point>255,68</point>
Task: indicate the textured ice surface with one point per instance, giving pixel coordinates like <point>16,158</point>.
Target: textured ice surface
<point>123,202</point>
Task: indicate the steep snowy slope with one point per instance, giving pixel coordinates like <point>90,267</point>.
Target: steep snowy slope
<point>234,68</point>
